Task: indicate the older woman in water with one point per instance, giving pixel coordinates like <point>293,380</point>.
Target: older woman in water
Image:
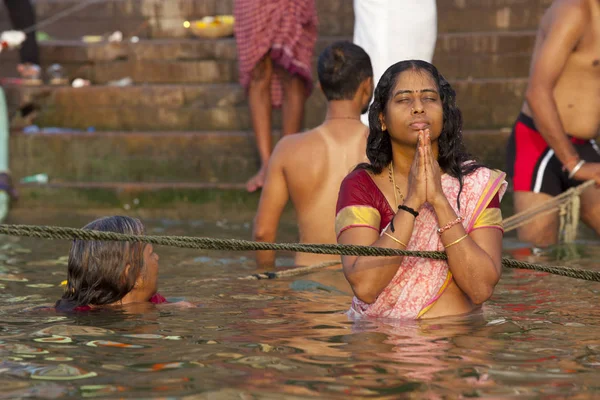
<point>421,190</point>
<point>104,273</point>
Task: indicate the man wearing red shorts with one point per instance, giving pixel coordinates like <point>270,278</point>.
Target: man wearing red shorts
<point>552,147</point>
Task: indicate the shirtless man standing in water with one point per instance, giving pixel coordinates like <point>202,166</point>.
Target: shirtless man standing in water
<point>552,147</point>
<point>309,167</point>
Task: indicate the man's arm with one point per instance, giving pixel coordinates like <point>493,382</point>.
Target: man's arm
<point>273,199</point>
<point>563,34</point>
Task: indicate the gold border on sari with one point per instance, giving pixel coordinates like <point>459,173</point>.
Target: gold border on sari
<point>357,216</point>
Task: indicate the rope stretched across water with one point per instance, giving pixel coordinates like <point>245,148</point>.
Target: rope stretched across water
<point>566,203</point>
<point>57,232</point>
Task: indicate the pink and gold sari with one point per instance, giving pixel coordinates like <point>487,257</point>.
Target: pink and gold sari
<point>419,282</point>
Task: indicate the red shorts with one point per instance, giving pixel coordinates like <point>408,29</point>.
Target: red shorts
<point>532,164</point>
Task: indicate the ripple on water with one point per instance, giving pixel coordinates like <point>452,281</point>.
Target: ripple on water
<point>110,343</point>
<point>58,372</point>
<point>19,348</point>
<point>12,389</point>
<point>73,330</point>
<point>58,359</point>
<point>152,336</point>
<point>100,390</point>
<point>157,367</point>
<point>56,339</point>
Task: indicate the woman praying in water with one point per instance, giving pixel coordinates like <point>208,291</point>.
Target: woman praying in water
<point>420,191</point>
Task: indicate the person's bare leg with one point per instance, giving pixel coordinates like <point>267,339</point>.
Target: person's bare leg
<point>294,97</point>
<point>259,100</point>
<point>590,208</point>
<point>543,229</point>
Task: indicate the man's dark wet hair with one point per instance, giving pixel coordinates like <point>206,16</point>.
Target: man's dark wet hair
<point>342,67</point>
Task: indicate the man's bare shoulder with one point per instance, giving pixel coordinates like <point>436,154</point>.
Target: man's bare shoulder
<point>296,145</point>
<point>302,140</point>
<point>565,11</point>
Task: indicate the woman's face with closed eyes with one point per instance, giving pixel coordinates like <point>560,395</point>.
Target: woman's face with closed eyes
<point>414,105</point>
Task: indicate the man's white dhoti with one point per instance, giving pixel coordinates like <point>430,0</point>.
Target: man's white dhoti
<point>395,30</point>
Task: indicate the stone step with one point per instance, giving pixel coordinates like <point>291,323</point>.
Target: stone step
<point>478,55</point>
<point>159,18</point>
<point>148,61</point>
<point>149,107</point>
<point>157,158</point>
<point>177,201</point>
<point>76,51</point>
<point>485,103</point>
<point>184,160</point>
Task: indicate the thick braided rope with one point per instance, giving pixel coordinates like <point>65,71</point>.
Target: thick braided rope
<point>552,205</point>
<point>56,232</point>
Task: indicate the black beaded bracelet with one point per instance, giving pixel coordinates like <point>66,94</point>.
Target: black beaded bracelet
<point>408,210</point>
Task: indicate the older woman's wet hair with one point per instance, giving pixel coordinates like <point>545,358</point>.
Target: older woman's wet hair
<point>97,270</point>
<point>453,157</point>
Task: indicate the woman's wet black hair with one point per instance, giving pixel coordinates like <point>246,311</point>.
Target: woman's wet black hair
<point>101,273</point>
<point>453,156</point>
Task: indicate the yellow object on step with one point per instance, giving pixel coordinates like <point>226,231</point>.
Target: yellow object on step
<point>211,27</point>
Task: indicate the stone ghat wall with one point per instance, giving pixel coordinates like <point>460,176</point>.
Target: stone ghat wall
<point>185,122</point>
<point>162,18</point>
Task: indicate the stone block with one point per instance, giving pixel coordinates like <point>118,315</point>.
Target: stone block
<point>177,202</point>
<point>490,15</point>
<point>191,49</point>
<point>154,71</point>
<point>483,66</point>
<point>487,104</point>
<point>488,146</point>
<point>224,157</point>
<point>479,43</point>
